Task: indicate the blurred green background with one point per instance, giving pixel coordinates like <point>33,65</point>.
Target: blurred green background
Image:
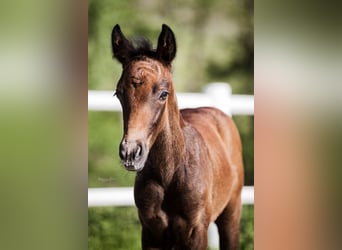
<point>216,39</point>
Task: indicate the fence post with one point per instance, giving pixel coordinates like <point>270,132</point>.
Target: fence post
<point>221,94</point>
<point>213,237</point>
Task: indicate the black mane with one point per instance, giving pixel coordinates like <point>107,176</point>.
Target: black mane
<point>141,47</point>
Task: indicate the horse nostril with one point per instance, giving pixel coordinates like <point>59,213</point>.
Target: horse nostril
<point>122,152</point>
<point>130,151</point>
<point>139,151</point>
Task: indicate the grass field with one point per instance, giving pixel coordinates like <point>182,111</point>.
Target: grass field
<point>119,228</point>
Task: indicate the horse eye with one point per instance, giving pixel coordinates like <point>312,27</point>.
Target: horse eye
<point>163,95</point>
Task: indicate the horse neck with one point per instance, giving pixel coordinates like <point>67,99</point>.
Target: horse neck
<point>168,151</point>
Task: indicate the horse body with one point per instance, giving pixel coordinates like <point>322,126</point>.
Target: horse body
<point>189,164</point>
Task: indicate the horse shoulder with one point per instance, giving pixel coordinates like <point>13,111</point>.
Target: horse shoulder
<point>217,129</point>
<point>222,139</point>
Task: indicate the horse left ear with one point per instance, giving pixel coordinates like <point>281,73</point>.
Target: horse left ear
<point>166,49</point>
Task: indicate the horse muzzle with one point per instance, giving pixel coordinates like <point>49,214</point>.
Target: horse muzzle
<point>133,154</point>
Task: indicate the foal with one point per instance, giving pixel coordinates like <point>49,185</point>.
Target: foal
<point>188,163</point>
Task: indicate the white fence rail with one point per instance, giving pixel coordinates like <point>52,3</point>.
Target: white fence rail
<point>123,196</point>
<point>217,95</point>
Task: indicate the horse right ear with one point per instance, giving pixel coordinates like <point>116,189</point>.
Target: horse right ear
<point>120,45</point>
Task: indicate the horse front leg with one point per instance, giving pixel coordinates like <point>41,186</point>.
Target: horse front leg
<point>154,235</point>
<point>153,241</point>
<point>190,236</point>
<point>154,220</point>
<point>198,239</point>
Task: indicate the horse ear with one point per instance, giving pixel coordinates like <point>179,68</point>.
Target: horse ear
<point>120,45</point>
<point>166,49</point>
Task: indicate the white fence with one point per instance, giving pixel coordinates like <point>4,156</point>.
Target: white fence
<point>123,196</point>
<point>217,95</point>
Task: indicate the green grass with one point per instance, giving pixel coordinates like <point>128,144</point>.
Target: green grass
<point>113,228</point>
<point>119,228</point>
<point>247,228</point>
<point>104,135</point>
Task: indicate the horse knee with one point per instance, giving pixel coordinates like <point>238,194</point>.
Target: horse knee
<point>189,236</point>
<point>154,232</point>
<point>198,238</point>
<point>156,222</point>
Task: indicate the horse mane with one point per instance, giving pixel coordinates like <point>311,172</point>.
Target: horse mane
<point>141,47</point>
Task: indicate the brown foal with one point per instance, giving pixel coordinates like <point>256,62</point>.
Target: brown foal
<point>188,163</point>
